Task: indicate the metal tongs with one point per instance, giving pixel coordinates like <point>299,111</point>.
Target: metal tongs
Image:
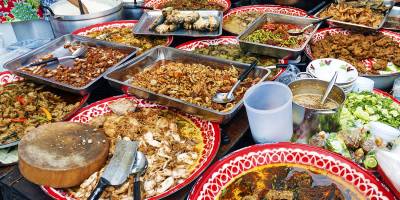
<point>76,54</point>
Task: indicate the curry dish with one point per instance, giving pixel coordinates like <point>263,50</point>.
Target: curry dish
<point>276,34</point>
<point>25,105</point>
<point>356,48</point>
<point>124,35</point>
<point>276,182</point>
<point>238,22</point>
<point>172,143</point>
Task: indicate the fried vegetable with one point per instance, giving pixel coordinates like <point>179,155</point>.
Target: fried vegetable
<point>370,161</point>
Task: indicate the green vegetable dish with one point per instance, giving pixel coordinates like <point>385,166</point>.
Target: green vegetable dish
<point>364,107</point>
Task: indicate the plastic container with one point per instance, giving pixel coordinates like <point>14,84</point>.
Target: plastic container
<point>269,111</point>
<point>363,84</point>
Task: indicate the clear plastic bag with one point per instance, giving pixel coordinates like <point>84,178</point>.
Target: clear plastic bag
<point>289,75</point>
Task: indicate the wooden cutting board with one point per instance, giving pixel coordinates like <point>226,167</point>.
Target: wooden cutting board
<point>62,154</point>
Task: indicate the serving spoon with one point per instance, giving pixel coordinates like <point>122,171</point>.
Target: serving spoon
<point>295,32</point>
<point>76,54</point>
<point>329,88</point>
<point>139,167</point>
<point>222,97</point>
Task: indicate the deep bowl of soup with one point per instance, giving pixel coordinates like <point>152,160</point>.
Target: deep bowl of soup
<point>309,115</point>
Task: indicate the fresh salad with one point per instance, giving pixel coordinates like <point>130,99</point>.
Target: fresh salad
<point>362,108</point>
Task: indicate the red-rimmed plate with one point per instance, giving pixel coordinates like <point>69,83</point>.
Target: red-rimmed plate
<point>320,34</point>
<point>113,24</point>
<point>223,171</point>
<point>287,10</point>
<point>221,40</point>
<point>210,132</point>
<point>7,77</point>
<point>159,4</point>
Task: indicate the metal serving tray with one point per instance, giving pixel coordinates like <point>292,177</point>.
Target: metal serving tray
<point>142,27</point>
<point>120,78</point>
<point>358,27</point>
<point>393,20</point>
<point>56,47</point>
<point>270,50</point>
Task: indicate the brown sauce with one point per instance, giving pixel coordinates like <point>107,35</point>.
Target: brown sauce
<point>313,101</point>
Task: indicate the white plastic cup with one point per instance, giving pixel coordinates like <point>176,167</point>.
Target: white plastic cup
<point>363,84</point>
<point>269,111</point>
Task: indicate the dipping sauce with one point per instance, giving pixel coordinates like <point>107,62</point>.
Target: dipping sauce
<point>313,101</point>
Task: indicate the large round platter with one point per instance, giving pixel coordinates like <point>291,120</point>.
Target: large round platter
<point>113,24</point>
<point>7,77</point>
<point>264,9</point>
<point>320,34</point>
<point>210,132</point>
<point>159,4</point>
<point>221,40</point>
<point>223,171</point>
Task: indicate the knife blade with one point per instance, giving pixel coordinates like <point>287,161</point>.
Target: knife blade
<point>118,169</point>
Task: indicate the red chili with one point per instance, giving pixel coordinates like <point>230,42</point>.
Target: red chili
<point>21,100</point>
<point>18,120</point>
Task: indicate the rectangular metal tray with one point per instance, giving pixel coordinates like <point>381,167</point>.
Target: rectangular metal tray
<point>56,47</point>
<point>358,27</point>
<point>118,78</point>
<point>270,50</point>
<point>142,27</point>
<point>393,20</point>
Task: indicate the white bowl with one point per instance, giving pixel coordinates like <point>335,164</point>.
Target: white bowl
<point>325,68</point>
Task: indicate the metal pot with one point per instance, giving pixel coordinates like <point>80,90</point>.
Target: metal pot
<point>383,82</point>
<point>65,24</point>
<point>131,11</point>
<point>307,121</point>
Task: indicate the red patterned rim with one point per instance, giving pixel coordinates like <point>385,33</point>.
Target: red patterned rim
<point>287,10</point>
<point>204,42</point>
<point>114,24</point>
<point>7,77</point>
<point>210,131</point>
<point>385,94</point>
<point>158,4</point>
<point>321,33</point>
<point>231,166</point>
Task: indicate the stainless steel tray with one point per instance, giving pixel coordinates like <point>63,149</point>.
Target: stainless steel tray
<point>56,47</point>
<point>142,27</point>
<point>270,50</point>
<point>393,20</point>
<point>119,78</point>
<point>358,27</point>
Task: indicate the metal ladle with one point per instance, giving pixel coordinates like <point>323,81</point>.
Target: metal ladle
<point>295,32</point>
<point>329,88</point>
<point>139,167</point>
<point>77,53</point>
<point>222,97</point>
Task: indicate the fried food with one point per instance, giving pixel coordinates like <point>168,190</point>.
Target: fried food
<point>25,105</point>
<point>172,144</point>
<point>124,35</point>
<point>192,82</point>
<point>276,34</point>
<point>95,62</point>
<point>357,15</point>
<point>193,5</point>
<point>172,19</point>
<point>357,48</point>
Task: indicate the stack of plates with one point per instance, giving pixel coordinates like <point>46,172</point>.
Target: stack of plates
<point>324,69</point>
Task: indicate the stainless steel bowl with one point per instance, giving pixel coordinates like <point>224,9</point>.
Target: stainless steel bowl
<point>65,24</point>
<point>307,121</point>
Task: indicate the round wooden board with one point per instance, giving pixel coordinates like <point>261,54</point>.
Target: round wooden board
<point>62,154</point>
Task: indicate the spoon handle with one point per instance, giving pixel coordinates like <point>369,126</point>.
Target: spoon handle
<point>54,59</point>
<point>248,70</point>
<point>322,20</point>
<point>329,88</point>
<point>136,188</point>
